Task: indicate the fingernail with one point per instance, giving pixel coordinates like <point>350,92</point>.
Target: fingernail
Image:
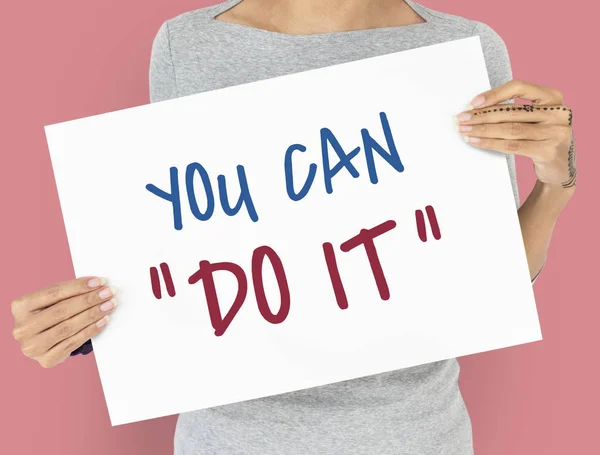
<point>463,117</point>
<point>96,282</point>
<point>107,292</point>
<point>102,322</point>
<point>465,128</point>
<point>472,139</point>
<point>107,306</point>
<point>478,101</point>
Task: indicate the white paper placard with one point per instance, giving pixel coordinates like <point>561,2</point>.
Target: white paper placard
<point>468,291</point>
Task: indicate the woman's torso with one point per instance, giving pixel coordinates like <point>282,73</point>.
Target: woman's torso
<point>416,410</point>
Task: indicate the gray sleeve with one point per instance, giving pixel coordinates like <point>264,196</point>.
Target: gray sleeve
<point>163,84</point>
<point>500,72</point>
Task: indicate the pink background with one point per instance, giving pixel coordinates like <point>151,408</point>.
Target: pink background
<point>66,59</point>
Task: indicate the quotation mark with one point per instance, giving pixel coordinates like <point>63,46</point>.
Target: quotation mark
<point>155,280</point>
<point>435,228</point>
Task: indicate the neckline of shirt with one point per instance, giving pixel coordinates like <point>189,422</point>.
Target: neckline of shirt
<point>228,4</point>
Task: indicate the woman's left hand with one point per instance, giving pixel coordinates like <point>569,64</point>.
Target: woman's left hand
<point>540,131</point>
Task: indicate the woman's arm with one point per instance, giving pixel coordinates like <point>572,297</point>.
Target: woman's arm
<point>538,216</point>
<point>553,148</point>
<point>540,131</point>
<point>163,82</point>
<point>59,321</point>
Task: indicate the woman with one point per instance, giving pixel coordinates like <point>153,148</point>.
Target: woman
<point>411,411</point>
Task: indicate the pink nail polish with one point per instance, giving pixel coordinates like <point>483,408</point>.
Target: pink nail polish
<point>96,282</point>
<point>478,101</point>
<point>472,140</point>
<point>102,322</point>
<point>463,117</point>
<point>106,293</point>
<point>465,128</point>
<point>107,306</point>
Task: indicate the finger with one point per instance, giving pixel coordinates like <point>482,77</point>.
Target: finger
<point>515,130</point>
<point>560,115</point>
<point>55,293</point>
<point>517,89</point>
<point>66,329</point>
<point>63,349</point>
<point>531,149</point>
<point>66,309</point>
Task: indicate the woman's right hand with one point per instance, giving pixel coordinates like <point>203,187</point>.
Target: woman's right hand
<point>53,322</point>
